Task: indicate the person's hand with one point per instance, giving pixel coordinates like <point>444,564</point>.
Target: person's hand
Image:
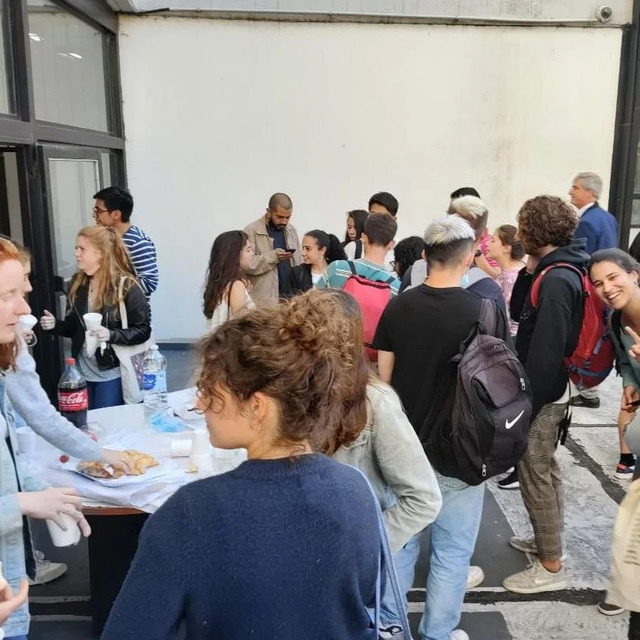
<point>48,321</point>
<point>10,602</point>
<point>51,503</point>
<point>101,333</point>
<point>283,255</point>
<point>29,338</point>
<point>634,352</point>
<point>630,395</point>
<point>118,460</point>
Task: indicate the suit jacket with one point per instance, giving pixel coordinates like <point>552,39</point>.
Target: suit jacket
<point>599,228</point>
<point>263,271</point>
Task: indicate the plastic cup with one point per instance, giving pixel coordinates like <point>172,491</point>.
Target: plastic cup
<point>202,463</point>
<point>61,538</point>
<point>28,322</point>
<point>26,440</point>
<point>200,444</point>
<point>92,320</point>
<point>180,448</point>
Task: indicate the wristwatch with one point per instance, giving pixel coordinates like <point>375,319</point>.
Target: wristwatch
<point>478,253</point>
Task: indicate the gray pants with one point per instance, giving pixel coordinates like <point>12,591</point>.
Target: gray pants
<point>541,482</point>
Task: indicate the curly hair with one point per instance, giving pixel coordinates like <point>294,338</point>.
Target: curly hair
<point>546,220</point>
<point>301,354</point>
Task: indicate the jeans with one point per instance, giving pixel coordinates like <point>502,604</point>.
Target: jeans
<point>105,394</point>
<point>453,537</point>
<point>405,563</point>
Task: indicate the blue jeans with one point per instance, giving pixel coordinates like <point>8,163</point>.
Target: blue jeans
<point>405,563</point>
<point>105,394</point>
<point>453,537</point>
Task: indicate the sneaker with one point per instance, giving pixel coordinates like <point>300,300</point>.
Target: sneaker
<point>46,571</point>
<point>528,545</point>
<point>587,403</point>
<point>624,471</point>
<point>390,631</point>
<point>535,579</point>
<point>511,481</point>
<point>607,609</point>
<point>459,634</point>
<point>475,577</point>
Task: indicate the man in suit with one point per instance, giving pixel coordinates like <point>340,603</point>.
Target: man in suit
<point>597,226</point>
<point>600,229</point>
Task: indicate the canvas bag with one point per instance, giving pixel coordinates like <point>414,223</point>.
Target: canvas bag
<point>624,589</point>
<point>387,572</point>
<point>131,357</point>
<point>480,425</point>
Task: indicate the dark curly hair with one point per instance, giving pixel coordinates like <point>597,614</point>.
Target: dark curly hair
<point>546,220</point>
<point>301,354</point>
<point>406,252</point>
<point>224,268</point>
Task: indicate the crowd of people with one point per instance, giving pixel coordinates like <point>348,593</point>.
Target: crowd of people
<point>337,365</point>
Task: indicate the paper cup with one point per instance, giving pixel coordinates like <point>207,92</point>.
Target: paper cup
<point>180,448</point>
<point>200,444</point>
<point>202,463</point>
<point>92,320</point>
<point>26,440</point>
<point>66,538</point>
<point>28,322</point>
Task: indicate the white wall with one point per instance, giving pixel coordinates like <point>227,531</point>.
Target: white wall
<point>220,114</point>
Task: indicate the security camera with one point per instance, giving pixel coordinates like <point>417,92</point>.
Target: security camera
<point>604,13</point>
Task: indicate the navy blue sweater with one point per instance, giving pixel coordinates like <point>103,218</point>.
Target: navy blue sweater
<point>274,550</point>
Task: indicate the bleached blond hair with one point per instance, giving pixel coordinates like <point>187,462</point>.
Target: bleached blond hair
<point>448,241</point>
<point>473,210</point>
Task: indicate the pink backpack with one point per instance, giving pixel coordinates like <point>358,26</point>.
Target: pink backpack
<point>372,297</point>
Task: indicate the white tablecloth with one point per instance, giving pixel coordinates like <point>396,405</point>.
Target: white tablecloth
<point>125,428</point>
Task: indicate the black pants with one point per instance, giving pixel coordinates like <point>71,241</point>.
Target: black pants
<point>634,625</point>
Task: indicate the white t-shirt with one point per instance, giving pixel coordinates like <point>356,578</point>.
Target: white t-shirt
<point>316,277</point>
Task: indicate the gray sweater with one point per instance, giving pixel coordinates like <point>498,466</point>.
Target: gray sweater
<point>389,453</point>
<point>32,404</point>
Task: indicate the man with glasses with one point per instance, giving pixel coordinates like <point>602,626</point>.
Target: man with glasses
<point>113,207</point>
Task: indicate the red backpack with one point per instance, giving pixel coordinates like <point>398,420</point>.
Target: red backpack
<point>372,298</point>
<point>592,359</point>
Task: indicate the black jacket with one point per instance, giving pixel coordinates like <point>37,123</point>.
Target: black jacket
<point>299,280</point>
<point>138,319</point>
<point>549,333</point>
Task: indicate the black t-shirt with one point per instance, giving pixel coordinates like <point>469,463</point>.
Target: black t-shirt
<point>424,328</point>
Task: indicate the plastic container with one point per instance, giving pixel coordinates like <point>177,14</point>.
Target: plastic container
<point>154,383</point>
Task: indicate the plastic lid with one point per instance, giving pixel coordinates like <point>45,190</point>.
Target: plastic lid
<point>70,361</point>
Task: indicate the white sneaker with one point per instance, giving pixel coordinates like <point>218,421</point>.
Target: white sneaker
<point>46,571</point>
<point>535,579</point>
<point>475,577</point>
<point>459,634</point>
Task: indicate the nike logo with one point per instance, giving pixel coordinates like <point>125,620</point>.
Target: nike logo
<point>509,423</point>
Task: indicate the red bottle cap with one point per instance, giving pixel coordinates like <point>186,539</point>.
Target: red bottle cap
<point>70,361</point>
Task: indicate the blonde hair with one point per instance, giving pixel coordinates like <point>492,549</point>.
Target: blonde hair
<point>114,265</point>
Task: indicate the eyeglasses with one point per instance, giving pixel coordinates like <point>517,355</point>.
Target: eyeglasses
<point>97,212</point>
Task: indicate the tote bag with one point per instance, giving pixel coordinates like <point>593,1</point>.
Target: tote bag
<point>624,589</point>
<point>131,357</point>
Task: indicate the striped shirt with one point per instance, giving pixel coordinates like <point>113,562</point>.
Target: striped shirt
<point>142,252</point>
<point>338,273</point>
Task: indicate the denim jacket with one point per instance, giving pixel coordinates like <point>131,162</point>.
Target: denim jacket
<point>12,539</point>
<point>391,456</point>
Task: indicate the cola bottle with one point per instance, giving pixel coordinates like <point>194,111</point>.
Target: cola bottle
<point>73,399</point>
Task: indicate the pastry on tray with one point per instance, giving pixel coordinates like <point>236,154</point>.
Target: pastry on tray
<point>140,462</point>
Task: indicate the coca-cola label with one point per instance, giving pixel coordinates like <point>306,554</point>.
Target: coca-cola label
<point>76,400</point>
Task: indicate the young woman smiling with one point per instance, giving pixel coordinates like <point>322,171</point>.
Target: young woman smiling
<point>103,266</point>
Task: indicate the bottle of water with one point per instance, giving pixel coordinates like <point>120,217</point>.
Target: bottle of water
<point>154,384</point>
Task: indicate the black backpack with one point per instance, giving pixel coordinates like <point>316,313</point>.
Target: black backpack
<point>479,423</point>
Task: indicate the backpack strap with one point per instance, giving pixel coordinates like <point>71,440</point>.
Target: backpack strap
<point>390,280</point>
<point>535,287</point>
<point>358,253</point>
<point>352,266</point>
<point>615,327</point>
<point>488,320</point>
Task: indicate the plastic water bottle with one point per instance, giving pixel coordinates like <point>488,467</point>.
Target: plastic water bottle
<point>154,383</point>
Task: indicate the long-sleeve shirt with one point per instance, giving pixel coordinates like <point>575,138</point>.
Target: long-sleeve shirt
<point>143,256</point>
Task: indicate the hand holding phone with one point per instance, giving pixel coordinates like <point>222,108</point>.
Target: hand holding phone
<point>284,254</point>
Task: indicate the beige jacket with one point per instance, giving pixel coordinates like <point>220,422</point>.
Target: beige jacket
<point>263,271</point>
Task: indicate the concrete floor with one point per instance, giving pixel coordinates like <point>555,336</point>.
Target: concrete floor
<point>592,494</point>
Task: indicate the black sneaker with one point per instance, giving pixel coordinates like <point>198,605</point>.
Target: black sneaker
<point>390,631</point>
<point>587,403</point>
<point>511,481</point>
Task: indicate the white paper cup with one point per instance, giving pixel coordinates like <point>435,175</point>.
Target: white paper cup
<point>180,448</point>
<point>202,463</point>
<point>28,322</point>
<point>200,444</point>
<point>92,320</point>
<point>26,440</point>
<point>66,538</point>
